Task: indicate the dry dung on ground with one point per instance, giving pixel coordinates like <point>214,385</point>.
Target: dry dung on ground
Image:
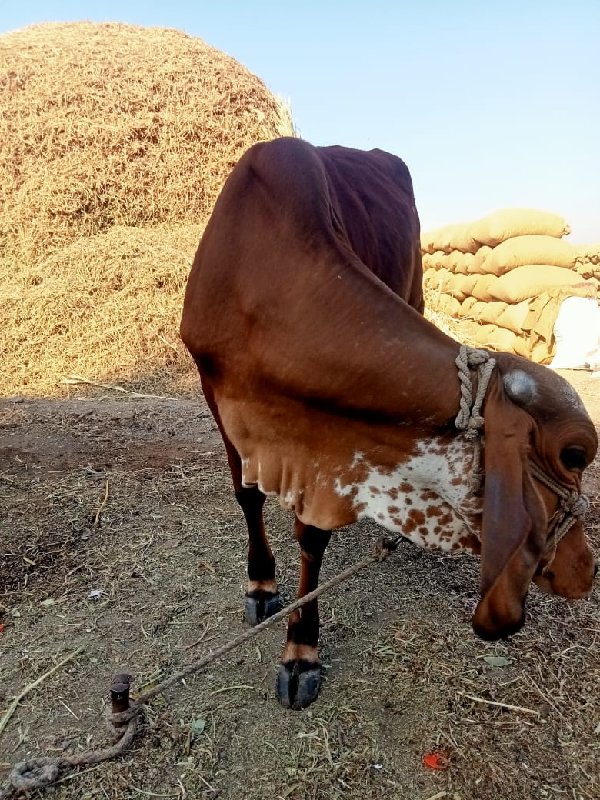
<point>153,576</point>
<point>103,308</point>
<point>112,124</point>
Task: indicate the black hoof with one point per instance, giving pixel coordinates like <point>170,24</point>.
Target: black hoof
<point>298,684</point>
<point>261,605</point>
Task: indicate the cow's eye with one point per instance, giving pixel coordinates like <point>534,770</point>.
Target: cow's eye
<point>573,457</point>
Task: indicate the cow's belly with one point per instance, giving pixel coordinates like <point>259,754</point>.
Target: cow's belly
<point>312,466</point>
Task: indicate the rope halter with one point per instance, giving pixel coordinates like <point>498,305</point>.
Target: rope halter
<point>572,505</point>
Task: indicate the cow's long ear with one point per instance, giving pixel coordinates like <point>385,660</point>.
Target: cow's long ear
<point>514,518</point>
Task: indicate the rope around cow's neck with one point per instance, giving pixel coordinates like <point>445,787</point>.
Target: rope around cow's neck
<point>469,417</point>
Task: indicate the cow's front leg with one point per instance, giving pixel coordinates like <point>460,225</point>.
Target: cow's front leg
<point>262,595</point>
<point>299,675</point>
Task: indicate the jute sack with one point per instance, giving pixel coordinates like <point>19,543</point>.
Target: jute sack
<point>436,260</point>
<point>542,320</point>
<point>479,259</point>
<point>442,280</point>
<point>522,346</point>
<point>487,312</point>
<point>466,306</point>
<point>534,349</point>
<point>513,316</point>
<point>511,222</point>
<point>429,276</point>
<point>427,242</point>
<point>454,261</point>
<point>501,315</point>
<point>541,352</point>
<point>474,333</point>
<point>529,281</point>
<point>458,237</point>
<point>464,266</point>
<point>458,262</point>
<point>543,311</point>
<point>464,284</point>
<point>503,340</point>
<point>482,289</point>
<point>427,262</point>
<point>588,270</point>
<point>448,238</point>
<point>490,336</point>
<point>533,249</point>
<point>452,288</point>
<point>588,252</point>
<point>444,304</point>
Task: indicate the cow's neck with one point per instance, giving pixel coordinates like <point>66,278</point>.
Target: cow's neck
<point>365,352</point>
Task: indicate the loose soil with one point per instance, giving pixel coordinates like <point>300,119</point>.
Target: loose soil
<point>153,577</point>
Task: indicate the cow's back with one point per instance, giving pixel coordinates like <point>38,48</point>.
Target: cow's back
<point>308,250</point>
<point>373,202</point>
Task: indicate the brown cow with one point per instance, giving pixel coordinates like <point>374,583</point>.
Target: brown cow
<point>334,393</point>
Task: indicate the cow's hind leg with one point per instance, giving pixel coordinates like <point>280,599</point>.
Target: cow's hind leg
<point>299,675</point>
<point>262,595</point>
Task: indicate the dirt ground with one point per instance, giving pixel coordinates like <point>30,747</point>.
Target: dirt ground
<point>148,574</point>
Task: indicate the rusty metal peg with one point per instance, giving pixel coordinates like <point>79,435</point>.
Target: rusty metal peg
<point>119,693</point>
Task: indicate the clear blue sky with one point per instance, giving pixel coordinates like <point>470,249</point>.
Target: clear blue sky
<point>491,104</point>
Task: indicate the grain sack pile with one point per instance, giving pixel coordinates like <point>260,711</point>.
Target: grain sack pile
<point>115,141</point>
<point>504,278</point>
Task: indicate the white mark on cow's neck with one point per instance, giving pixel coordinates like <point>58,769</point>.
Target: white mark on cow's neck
<point>520,386</point>
<point>427,497</point>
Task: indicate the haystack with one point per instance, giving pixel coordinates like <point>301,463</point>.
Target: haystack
<point>104,308</point>
<point>114,144</point>
<point>110,124</point>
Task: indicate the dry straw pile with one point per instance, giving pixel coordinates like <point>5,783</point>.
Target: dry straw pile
<point>114,143</point>
<point>105,308</point>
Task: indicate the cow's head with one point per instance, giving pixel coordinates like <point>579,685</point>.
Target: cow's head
<point>532,415</point>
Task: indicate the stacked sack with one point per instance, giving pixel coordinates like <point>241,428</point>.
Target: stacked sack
<point>504,278</point>
<point>588,261</point>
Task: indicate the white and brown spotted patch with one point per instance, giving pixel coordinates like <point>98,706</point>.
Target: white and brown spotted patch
<point>427,497</point>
